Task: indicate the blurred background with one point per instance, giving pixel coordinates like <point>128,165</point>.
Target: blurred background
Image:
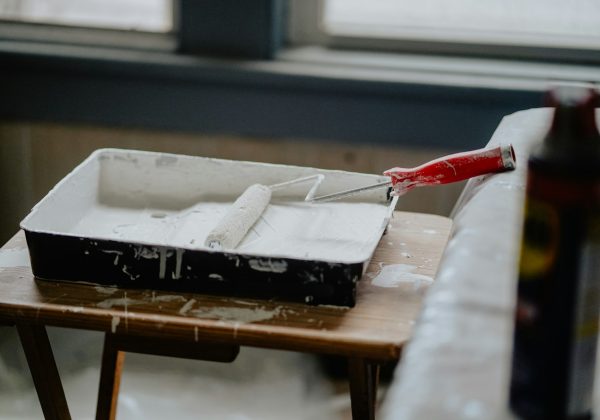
<point>341,84</point>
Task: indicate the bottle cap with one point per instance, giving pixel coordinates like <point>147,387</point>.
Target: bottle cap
<point>574,95</point>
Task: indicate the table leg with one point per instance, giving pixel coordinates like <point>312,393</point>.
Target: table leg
<point>44,372</point>
<point>113,357</point>
<point>363,376</point>
<point>110,380</point>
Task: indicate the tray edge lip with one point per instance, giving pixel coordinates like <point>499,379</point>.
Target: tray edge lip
<point>23,223</point>
<point>217,159</point>
<point>95,155</point>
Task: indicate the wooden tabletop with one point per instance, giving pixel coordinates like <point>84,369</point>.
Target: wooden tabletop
<point>376,328</point>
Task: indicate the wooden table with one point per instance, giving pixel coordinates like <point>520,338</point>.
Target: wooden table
<point>213,328</point>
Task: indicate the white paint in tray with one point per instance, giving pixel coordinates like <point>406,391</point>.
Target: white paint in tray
<point>170,202</point>
<point>237,315</point>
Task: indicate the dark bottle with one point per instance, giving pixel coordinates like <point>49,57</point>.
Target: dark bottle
<point>556,316</point>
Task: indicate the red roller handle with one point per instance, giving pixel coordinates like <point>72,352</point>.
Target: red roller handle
<point>453,168</point>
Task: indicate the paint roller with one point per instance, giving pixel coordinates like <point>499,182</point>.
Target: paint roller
<point>247,209</point>
<point>443,170</point>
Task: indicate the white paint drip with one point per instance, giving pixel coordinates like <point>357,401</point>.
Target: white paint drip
<point>15,257</point>
<point>116,253</point>
<point>126,313</point>
<point>196,334</point>
<point>132,277</point>
<point>311,278</point>
<point>114,323</point>
<point>168,298</point>
<point>105,290</point>
<point>179,256</point>
<point>268,265</point>
<point>163,263</point>
<point>146,253</point>
<point>430,231</point>
<point>235,258</point>
<point>124,301</point>
<point>396,274</point>
<point>187,306</point>
<point>238,315</point>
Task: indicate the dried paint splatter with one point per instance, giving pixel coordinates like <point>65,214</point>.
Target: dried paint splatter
<point>237,315</point>
<point>17,257</point>
<point>109,303</point>
<point>397,274</point>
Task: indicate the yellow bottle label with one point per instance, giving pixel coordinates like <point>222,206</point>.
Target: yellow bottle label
<point>540,239</point>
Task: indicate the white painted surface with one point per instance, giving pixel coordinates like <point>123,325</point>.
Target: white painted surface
<point>457,364</point>
<point>17,257</point>
<point>175,201</point>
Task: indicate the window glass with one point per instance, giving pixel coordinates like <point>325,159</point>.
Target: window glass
<point>525,22</point>
<point>137,15</point>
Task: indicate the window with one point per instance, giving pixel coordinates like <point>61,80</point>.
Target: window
<point>65,74</point>
<point>539,29</point>
<point>137,15</point>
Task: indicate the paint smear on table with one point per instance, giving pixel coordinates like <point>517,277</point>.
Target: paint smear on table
<point>124,301</point>
<point>395,275</point>
<point>239,315</point>
<point>16,257</point>
<point>168,298</point>
<point>187,306</point>
<point>105,290</point>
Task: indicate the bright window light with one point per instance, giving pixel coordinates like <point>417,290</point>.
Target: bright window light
<point>136,15</point>
<point>556,23</point>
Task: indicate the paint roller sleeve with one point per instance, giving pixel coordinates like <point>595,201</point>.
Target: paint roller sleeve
<point>240,217</point>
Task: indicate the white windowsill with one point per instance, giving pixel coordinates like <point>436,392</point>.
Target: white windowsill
<point>430,69</point>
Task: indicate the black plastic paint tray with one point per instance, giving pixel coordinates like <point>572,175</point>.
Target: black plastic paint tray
<point>139,220</point>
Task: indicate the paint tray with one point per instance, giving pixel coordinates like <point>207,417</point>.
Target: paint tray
<point>139,220</point>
